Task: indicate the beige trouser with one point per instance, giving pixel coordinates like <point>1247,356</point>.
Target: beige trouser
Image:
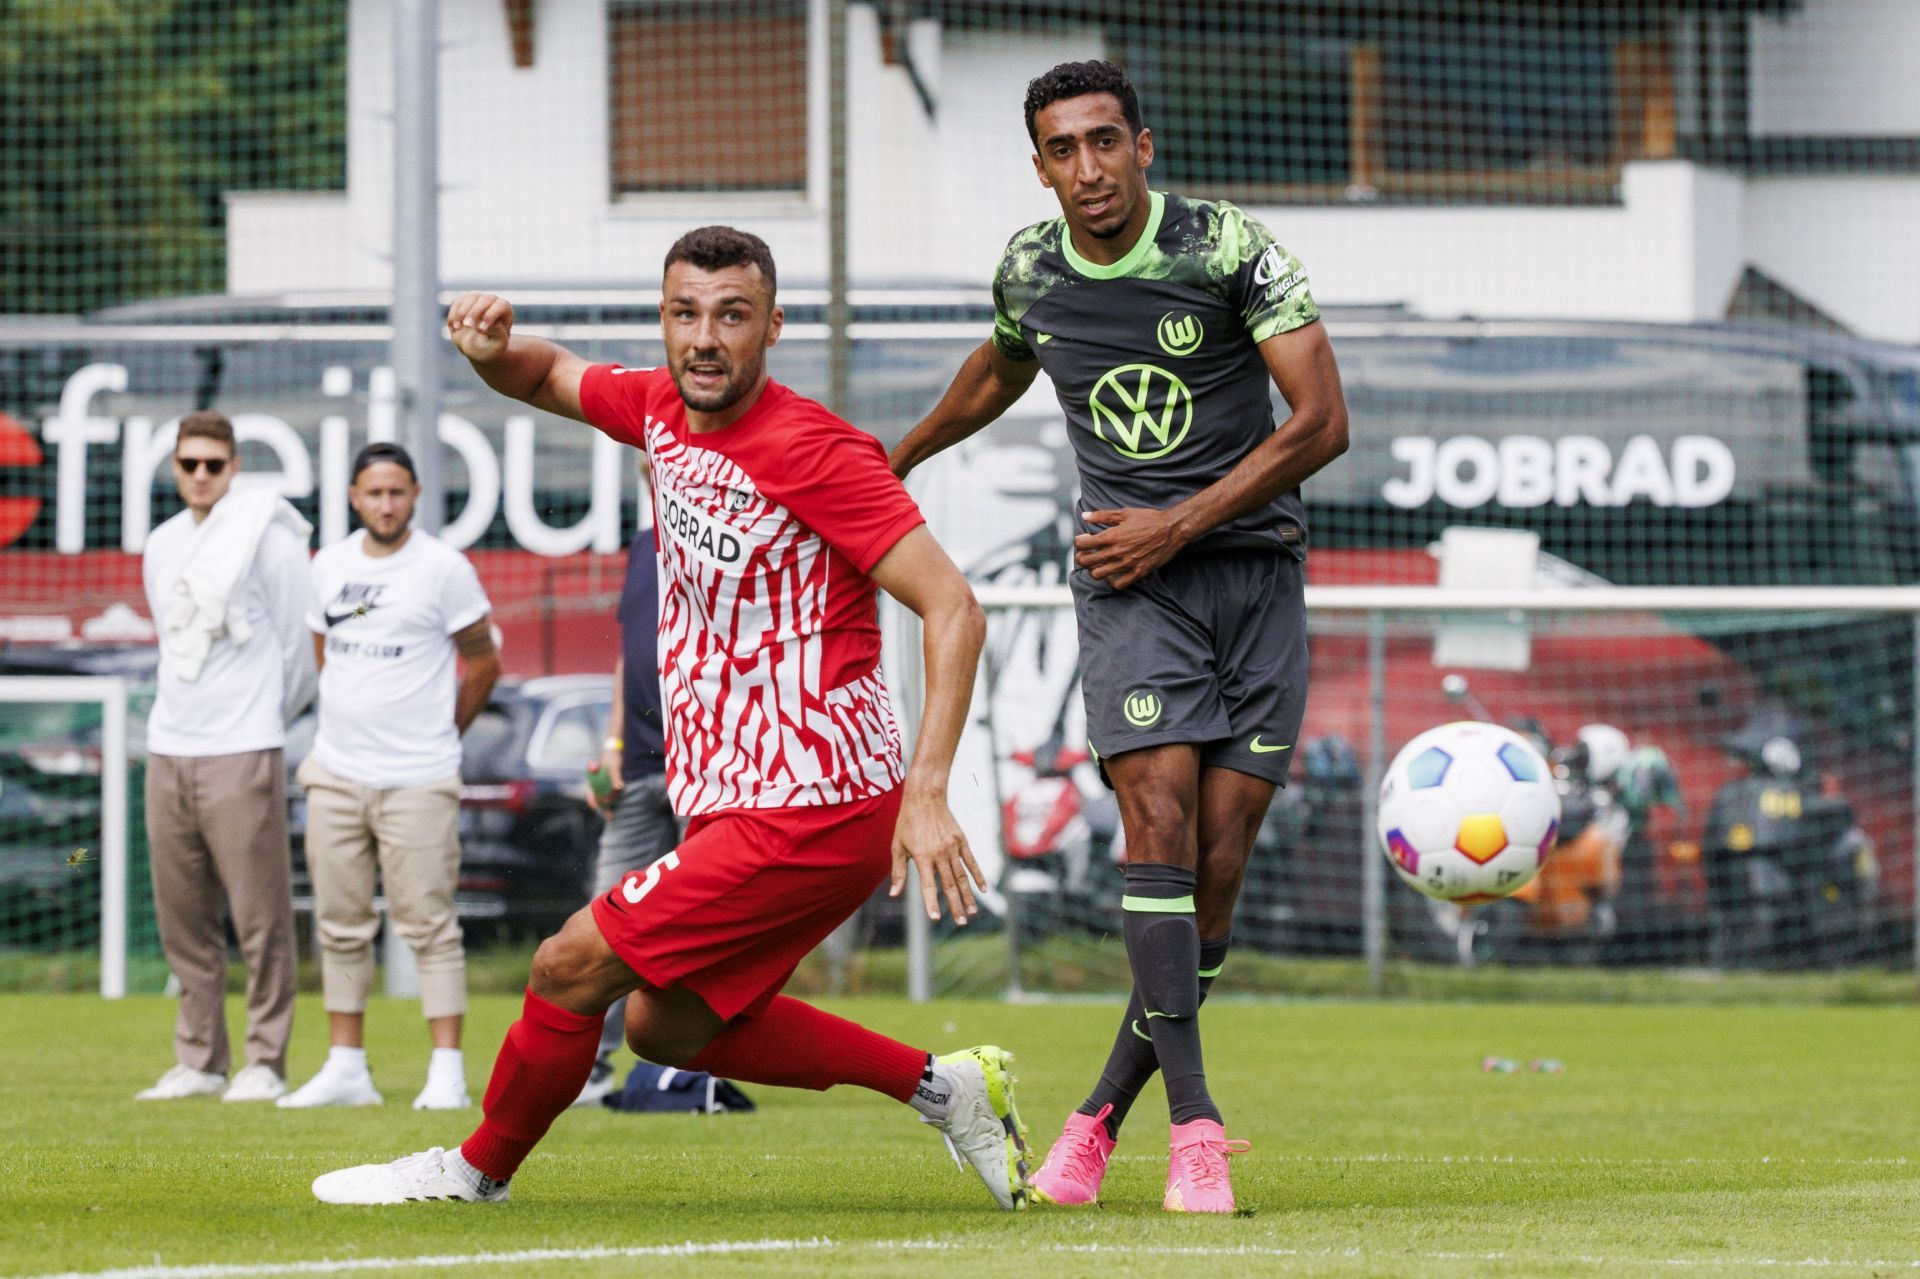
<point>411,836</point>
<point>217,825</point>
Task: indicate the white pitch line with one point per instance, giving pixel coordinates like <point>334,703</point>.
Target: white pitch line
<point>1601,1161</point>
<point>1362,1254</point>
<point>328,1266</point>
<point>723,1247</point>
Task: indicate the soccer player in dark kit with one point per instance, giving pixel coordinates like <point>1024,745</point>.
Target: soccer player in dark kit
<point>1160,320</point>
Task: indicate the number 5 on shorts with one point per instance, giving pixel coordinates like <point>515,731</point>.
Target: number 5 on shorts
<point>635,891</point>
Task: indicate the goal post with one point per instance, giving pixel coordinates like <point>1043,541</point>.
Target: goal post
<point>66,760</point>
<point>1687,671</point>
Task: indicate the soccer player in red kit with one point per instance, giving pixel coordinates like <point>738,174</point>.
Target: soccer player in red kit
<point>777,521</point>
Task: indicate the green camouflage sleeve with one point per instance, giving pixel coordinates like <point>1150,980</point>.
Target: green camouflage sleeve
<point>1007,337</point>
<point>1268,284</point>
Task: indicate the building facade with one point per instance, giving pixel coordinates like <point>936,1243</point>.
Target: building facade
<point>1645,161</point>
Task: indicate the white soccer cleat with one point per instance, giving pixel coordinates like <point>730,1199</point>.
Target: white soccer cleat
<point>443,1092</point>
<point>603,1081</point>
<point>182,1082</point>
<point>428,1176</point>
<point>256,1083</point>
<point>335,1085</point>
<point>982,1127</point>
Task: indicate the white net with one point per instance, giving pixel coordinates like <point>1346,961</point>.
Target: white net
<point>1758,813</point>
<point>1632,279</point>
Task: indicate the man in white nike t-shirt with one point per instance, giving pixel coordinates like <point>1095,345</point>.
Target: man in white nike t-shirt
<point>391,607</point>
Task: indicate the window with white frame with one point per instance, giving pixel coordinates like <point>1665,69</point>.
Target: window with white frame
<point>708,96</point>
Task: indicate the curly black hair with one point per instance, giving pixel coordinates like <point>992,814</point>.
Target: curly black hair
<point>1076,79</point>
<point>713,247</point>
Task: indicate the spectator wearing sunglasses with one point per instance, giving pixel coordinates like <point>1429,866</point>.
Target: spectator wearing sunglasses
<point>227,581</point>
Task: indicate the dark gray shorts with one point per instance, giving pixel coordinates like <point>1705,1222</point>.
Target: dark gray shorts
<point>1209,649</point>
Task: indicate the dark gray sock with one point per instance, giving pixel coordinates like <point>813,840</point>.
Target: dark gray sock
<point>1132,1064</point>
<point>1163,946</point>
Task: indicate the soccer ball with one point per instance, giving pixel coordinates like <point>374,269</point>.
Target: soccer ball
<point>1468,812</point>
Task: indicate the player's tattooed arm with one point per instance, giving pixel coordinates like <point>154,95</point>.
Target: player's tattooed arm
<point>479,670</point>
<point>918,573</point>
<point>543,374</point>
<point>1134,542</point>
<point>985,387</point>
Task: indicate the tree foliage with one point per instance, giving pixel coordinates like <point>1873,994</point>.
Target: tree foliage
<point>123,123</point>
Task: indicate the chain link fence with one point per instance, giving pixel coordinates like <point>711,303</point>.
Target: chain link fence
<point>1629,283</point>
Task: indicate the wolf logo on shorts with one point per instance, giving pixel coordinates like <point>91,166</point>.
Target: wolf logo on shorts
<point>1211,649</point>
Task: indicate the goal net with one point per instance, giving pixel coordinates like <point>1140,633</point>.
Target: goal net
<point>76,912</point>
<point>1632,280</point>
<point>1748,806</point>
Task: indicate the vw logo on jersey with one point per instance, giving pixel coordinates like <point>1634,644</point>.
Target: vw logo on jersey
<point>1142,708</point>
<point>1179,333</point>
<point>1142,410</point>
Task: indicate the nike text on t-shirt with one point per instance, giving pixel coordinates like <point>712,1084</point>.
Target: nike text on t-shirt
<point>387,689</point>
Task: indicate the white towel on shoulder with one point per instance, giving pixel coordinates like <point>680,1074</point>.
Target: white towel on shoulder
<point>201,607</point>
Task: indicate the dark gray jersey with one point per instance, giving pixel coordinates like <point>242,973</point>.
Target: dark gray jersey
<point>1155,358</point>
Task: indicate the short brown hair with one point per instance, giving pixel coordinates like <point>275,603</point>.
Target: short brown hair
<point>205,424</point>
<point>713,247</point>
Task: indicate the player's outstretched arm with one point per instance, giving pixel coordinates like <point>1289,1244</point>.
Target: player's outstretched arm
<point>918,573</point>
<point>1134,542</point>
<point>985,387</point>
<point>540,372</point>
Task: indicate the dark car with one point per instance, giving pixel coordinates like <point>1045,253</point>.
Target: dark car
<point>49,832</point>
<point>528,838</point>
<point>50,817</point>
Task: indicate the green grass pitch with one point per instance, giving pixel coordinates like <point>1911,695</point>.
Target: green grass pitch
<point>1710,1140</point>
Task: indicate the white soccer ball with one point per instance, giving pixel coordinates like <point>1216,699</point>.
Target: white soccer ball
<point>1468,812</point>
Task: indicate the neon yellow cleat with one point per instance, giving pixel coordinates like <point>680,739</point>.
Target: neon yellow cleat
<point>982,1126</point>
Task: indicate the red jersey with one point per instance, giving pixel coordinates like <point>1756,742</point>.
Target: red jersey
<point>769,637</point>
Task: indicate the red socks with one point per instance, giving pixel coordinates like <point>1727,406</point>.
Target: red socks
<point>549,1053</point>
<point>542,1066</point>
<point>795,1045</point>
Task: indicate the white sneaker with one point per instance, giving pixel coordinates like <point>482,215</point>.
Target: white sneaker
<point>431,1174</point>
<point>443,1092</point>
<point>601,1082</point>
<point>184,1081</point>
<point>256,1083</point>
<point>981,1126</point>
<point>446,1082</point>
<point>335,1085</point>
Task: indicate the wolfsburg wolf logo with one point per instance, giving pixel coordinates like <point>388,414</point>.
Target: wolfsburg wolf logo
<point>1179,333</point>
<point>1141,708</point>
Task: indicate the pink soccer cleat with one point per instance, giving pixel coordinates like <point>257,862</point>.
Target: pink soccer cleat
<point>1077,1162</point>
<point>1197,1179</point>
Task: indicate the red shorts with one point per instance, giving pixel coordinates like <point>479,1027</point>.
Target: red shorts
<point>732,911</point>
